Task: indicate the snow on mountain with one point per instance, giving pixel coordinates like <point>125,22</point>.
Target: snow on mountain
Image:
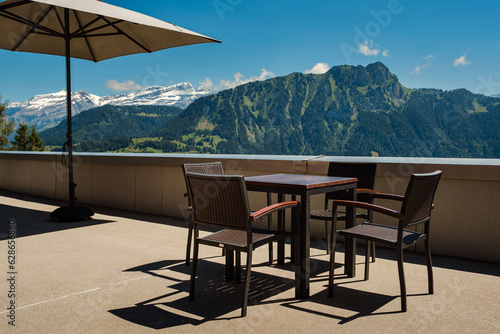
<point>46,111</point>
<point>180,95</point>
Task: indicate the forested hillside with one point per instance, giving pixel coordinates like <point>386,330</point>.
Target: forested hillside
<point>350,110</point>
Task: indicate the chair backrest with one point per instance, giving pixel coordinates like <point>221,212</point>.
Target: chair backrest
<point>419,197</point>
<point>212,168</point>
<point>364,172</point>
<point>219,200</point>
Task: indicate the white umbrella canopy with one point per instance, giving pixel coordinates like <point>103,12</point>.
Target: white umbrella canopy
<point>97,30</point>
<point>84,29</point>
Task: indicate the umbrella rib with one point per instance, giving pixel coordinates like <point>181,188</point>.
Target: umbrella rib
<point>32,30</point>
<point>12,5</point>
<point>82,29</point>
<point>20,19</point>
<point>126,35</point>
<point>98,35</point>
<point>78,33</point>
<point>59,19</point>
<point>86,39</point>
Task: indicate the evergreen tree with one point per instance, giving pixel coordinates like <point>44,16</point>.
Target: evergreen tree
<point>6,127</point>
<point>27,139</point>
<point>35,141</point>
<point>21,140</point>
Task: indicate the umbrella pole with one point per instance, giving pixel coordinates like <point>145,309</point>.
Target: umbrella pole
<point>69,134</point>
<point>71,212</point>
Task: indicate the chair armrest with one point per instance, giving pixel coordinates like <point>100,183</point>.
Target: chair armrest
<point>186,194</point>
<point>273,208</point>
<point>387,196</point>
<point>368,206</point>
<point>367,191</point>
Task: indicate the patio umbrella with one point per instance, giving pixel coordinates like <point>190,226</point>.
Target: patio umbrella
<point>84,29</point>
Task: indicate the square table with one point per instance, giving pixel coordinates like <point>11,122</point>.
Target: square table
<point>305,186</point>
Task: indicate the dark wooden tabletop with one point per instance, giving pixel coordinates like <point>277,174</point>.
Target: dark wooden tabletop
<point>298,180</point>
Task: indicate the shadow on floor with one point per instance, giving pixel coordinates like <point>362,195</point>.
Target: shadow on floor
<point>215,298</point>
<point>32,222</point>
<point>361,303</point>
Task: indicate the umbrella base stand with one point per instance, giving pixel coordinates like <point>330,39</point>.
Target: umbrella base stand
<point>72,213</point>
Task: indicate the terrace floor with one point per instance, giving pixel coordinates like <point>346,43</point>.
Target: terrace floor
<point>124,272</point>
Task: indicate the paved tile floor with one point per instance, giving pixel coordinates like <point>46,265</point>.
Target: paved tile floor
<point>124,272</point>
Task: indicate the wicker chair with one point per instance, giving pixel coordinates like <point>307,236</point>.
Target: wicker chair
<point>365,173</point>
<point>210,168</point>
<point>213,168</point>
<point>222,201</point>
<point>416,207</point>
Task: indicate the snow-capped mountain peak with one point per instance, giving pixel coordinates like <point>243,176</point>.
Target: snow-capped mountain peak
<point>48,110</point>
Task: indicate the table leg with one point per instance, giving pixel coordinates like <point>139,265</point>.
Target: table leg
<point>270,227</point>
<point>350,243</point>
<point>296,250</point>
<point>294,240</point>
<point>303,263</point>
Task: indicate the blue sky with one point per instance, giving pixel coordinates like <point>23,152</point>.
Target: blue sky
<point>432,44</point>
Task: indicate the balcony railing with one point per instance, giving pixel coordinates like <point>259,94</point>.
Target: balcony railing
<point>465,222</point>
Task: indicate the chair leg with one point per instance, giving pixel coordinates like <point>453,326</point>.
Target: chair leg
<point>237,271</point>
<point>327,232</point>
<point>370,218</point>
<point>193,270</point>
<point>229,265</point>
<point>373,251</point>
<point>281,227</point>
<point>367,259</point>
<point>247,283</point>
<point>402,283</point>
<point>430,277</point>
<point>190,238</point>
<point>332,259</point>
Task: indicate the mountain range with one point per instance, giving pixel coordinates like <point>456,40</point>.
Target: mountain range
<point>110,122</point>
<point>349,110</point>
<point>46,111</point>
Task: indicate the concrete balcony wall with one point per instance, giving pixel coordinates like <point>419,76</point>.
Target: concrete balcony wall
<point>465,222</point>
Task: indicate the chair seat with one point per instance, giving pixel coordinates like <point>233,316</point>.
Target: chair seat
<point>238,238</point>
<point>327,215</point>
<point>321,214</point>
<point>381,233</point>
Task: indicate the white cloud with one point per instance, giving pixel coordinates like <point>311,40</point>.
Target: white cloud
<point>122,86</point>
<point>368,49</point>
<point>207,84</point>
<point>239,79</point>
<point>319,68</point>
<point>418,69</point>
<point>461,61</point>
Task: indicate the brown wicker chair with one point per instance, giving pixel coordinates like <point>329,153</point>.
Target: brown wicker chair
<point>417,204</point>
<point>213,168</point>
<point>365,173</point>
<point>210,168</point>
<point>222,201</point>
